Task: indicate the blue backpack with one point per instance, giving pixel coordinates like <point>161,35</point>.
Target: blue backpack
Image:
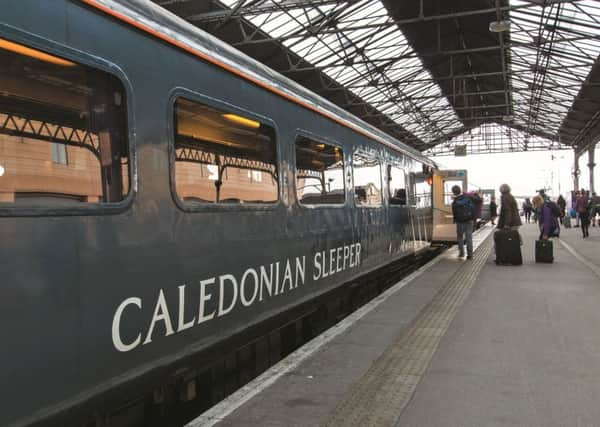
<point>463,209</point>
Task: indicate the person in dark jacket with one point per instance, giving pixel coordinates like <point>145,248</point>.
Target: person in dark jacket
<point>493,210</point>
<point>527,209</point>
<point>463,211</point>
<point>509,211</point>
<point>582,205</point>
<point>562,204</point>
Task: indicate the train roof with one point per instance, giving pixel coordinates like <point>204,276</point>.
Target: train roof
<point>164,25</point>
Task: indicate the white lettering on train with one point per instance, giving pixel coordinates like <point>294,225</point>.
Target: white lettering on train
<point>116,325</point>
<point>336,260</point>
<point>218,296</point>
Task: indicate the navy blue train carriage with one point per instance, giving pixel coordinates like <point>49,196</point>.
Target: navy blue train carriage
<point>161,192</point>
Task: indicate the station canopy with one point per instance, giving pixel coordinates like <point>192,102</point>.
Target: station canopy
<point>511,75</point>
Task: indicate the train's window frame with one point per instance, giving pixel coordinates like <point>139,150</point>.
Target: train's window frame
<point>394,162</point>
<point>191,95</point>
<point>373,155</point>
<point>415,194</point>
<point>99,64</point>
<point>318,138</point>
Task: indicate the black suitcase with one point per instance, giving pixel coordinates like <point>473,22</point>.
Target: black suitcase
<point>508,247</point>
<point>544,251</point>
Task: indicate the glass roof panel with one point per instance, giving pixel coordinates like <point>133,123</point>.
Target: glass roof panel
<point>358,45</point>
<point>553,67</point>
<point>553,45</point>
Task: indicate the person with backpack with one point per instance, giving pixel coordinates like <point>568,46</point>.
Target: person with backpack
<point>463,211</point>
<point>477,207</point>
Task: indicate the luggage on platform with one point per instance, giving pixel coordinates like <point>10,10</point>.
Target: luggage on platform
<point>544,251</point>
<point>573,213</point>
<point>567,221</point>
<point>508,247</point>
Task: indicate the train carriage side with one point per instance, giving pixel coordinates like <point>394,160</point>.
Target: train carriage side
<point>153,205</point>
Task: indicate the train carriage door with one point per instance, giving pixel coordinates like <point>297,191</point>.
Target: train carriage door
<point>444,229</point>
<point>420,183</point>
<point>401,233</point>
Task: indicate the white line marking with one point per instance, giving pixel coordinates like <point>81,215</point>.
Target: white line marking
<point>266,379</point>
<point>580,257</point>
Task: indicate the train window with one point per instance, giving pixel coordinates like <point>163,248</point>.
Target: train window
<point>448,195</point>
<point>397,185</point>
<point>63,131</point>
<point>366,173</point>
<point>421,189</point>
<point>221,157</point>
<point>319,173</point>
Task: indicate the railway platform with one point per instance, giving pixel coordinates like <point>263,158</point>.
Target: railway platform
<point>456,343</point>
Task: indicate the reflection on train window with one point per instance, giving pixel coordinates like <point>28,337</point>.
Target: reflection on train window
<point>366,173</point>
<point>221,157</point>
<point>319,173</point>
<point>63,131</point>
<point>422,190</point>
<point>448,195</point>
<point>397,185</point>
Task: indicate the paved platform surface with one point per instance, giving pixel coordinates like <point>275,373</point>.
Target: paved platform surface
<point>466,343</point>
<point>525,348</point>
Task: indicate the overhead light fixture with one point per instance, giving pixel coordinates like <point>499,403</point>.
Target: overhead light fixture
<point>33,53</point>
<point>1,170</point>
<point>499,26</point>
<point>242,121</point>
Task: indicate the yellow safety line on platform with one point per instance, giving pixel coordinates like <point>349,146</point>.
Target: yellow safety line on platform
<point>381,395</point>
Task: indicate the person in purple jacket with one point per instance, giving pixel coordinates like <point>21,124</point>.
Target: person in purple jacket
<point>548,220</point>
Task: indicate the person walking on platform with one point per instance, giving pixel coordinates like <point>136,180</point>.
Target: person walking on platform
<point>493,210</point>
<point>463,211</point>
<point>582,206</point>
<point>527,208</point>
<point>509,212</point>
<point>562,204</point>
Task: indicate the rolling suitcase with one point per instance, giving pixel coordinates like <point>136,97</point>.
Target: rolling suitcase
<point>508,247</point>
<point>544,251</point>
<point>567,221</point>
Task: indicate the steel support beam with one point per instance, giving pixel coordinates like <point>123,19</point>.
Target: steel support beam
<point>576,170</point>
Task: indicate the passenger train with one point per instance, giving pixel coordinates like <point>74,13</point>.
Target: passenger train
<point>161,192</point>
